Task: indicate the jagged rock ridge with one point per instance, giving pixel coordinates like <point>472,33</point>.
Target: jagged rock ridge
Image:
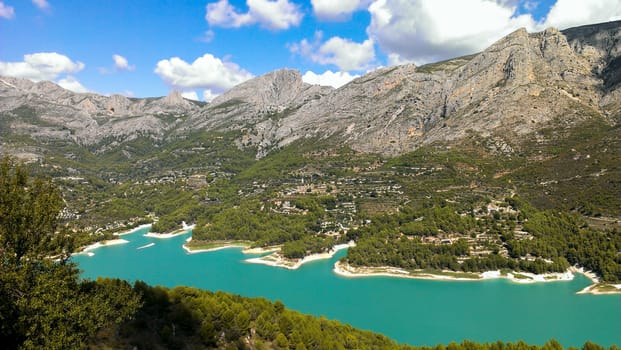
<point>508,92</point>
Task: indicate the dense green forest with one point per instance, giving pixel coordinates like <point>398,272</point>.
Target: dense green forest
<point>300,231</point>
<point>554,241</point>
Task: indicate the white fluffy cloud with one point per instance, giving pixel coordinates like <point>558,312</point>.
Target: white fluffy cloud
<point>343,53</point>
<point>6,12</point>
<point>193,95</point>
<point>208,95</point>
<point>42,4</point>
<point>72,84</point>
<point>429,30</point>
<point>120,63</point>
<point>223,14</point>
<point>206,72</point>
<point>346,54</point>
<point>328,78</point>
<point>190,95</point>
<point>271,14</point>
<point>424,31</point>
<point>331,10</point>
<point>569,13</point>
<point>41,66</point>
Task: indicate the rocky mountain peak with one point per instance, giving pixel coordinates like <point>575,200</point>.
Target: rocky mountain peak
<point>118,105</point>
<point>15,83</point>
<point>174,97</point>
<point>519,85</point>
<point>270,91</point>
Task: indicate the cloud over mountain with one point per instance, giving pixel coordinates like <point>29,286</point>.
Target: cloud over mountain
<point>568,13</point>
<point>206,72</point>
<point>41,66</point>
<point>344,53</point>
<point>328,78</point>
<point>430,30</point>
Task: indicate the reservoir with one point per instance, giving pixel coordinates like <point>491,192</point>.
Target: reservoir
<point>417,312</point>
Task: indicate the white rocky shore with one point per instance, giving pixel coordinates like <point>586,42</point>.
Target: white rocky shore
<point>277,260</point>
<point>88,250</point>
<point>347,270</point>
<point>181,231</point>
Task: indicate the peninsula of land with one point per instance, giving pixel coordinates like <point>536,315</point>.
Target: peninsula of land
<point>346,270</point>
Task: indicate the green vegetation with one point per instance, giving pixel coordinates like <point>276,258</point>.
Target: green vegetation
<point>447,65</point>
<point>550,242</point>
<point>429,208</point>
<point>561,236</point>
<point>300,231</point>
<point>44,304</point>
<point>188,318</point>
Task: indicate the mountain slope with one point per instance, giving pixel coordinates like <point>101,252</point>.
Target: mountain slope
<point>530,124</point>
<point>521,84</point>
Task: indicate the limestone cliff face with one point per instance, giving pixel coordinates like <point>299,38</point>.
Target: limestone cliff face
<point>519,85</point>
<point>600,44</point>
<point>258,107</point>
<point>45,111</point>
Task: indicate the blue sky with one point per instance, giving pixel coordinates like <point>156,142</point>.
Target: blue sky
<point>147,48</point>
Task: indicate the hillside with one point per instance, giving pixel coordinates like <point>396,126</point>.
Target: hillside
<point>46,304</point>
<point>518,86</point>
<point>505,159</point>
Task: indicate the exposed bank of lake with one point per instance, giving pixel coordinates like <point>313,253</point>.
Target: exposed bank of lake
<point>597,287</point>
<point>418,312</point>
<point>275,259</point>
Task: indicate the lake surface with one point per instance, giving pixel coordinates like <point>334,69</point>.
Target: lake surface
<point>417,312</point>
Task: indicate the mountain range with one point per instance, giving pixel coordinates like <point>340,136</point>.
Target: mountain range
<point>523,83</point>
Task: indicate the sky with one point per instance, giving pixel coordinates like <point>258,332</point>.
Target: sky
<point>145,48</point>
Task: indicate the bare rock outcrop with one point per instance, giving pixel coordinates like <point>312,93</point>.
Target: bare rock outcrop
<point>519,85</point>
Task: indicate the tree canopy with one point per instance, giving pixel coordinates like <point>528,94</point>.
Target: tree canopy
<point>44,303</point>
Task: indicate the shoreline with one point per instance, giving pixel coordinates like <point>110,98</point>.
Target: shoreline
<point>88,250</point>
<point>277,260</point>
<point>128,232</point>
<point>349,271</point>
<point>190,250</point>
<point>181,231</point>
<point>216,246</point>
<point>596,288</point>
<point>261,250</point>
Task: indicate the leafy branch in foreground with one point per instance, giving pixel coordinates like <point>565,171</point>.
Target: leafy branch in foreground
<point>44,304</point>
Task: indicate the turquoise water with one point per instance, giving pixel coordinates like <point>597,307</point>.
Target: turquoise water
<point>417,312</point>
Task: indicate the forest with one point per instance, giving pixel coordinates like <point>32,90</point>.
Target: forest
<point>299,232</point>
<point>554,242</point>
